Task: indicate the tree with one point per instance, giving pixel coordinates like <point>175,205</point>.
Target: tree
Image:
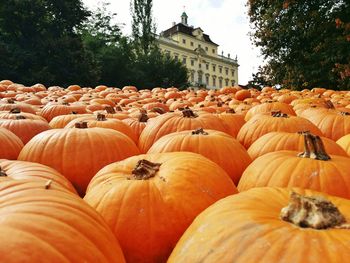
<point>305,43</point>
<point>39,42</point>
<point>143,27</point>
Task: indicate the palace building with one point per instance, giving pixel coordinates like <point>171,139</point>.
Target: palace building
<point>200,55</point>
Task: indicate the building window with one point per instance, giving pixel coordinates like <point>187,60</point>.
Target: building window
<point>233,72</point>
<point>199,45</point>
<point>214,81</point>
<point>213,50</point>
<point>207,66</point>
<point>192,77</point>
<point>183,41</point>
<point>214,68</point>
<point>233,82</point>
<point>192,63</point>
<point>184,61</point>
<point>220,69</point>
<point>220,83</point>
<point>200,79</point>
<point>207,80</point>
<point>176,56</point>
<point>206,48</point>
<point>167,53</point>
<point>226,82</point>
<point>191,44</point>
<point>200,65</point>
<point>226,71</point>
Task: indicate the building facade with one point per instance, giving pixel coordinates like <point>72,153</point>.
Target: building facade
<point>200,55</point>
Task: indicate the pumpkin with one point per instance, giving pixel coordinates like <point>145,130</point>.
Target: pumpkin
<point>313,169</point>
<point>278,141</point>
<point>175,122</point>
<point>268,107</point>
<point>268,225</point>
<point>78,153</point>
<point>217,146</point>
<point>45,223</point>
<point>15,112</point>
<point>61,121</point>
<point>24,128</point>
<point>344,142</point>
<point>262,124</point>
<point>52,110</point>
<point>149,200</point>
<point>101,121</point>
<point>20,170</point>
<point>11,145</point>
<point>233,122</point>
<point>137,124</point>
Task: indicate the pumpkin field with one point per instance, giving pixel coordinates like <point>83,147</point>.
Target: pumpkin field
<point>106,174</point>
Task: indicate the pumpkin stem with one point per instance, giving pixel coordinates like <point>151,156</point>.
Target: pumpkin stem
<point>81,125</point>
<point>10,101</point>
<point>314,148</point>
<point>230,110</point>
<point>199,131</point>
<point>20,117</point>
<point>110,110</point>
<point>74,112</point>
<point>48,184</point>
<point>158,110</point>
<point>312,212</point>
<point>101,117</point>
<point>279,114</point>
<point>188,113</point>
<point>15,110</point>
<point>329,105</point>
<point>118,108</point>
<point>344,113</point>
<point>2,173</point>
<point>145,169</point>
<point>143,117</point>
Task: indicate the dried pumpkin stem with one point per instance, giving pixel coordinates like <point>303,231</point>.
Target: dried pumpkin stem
<point>344,113</point>
<point>81,125</point>
<point>2,172</point>
<point>279,114</point>
<point>230,110</point>
<point>199,131</point>
<point>143,117</point>
<point>312,212</point>
<point>314,148</point>
<point>20,117</point>
<point>15,110</point>
<point>101,117</point>
<point>329,105</point>
<point>188,113</point>
<point>145,169</point>
<point>110,110</point>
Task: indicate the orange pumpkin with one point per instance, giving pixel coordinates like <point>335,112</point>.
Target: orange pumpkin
<point>278,141</point>
<point>11,145</point>
<point>313,169</point>
<point>217,146</point>
<point>344,142</point>
<point>248,227</point>
<point>45,223</point>
<point>20,170</point>
<point>78,153</point>
<point>177,121</point>
<point>150,200</point>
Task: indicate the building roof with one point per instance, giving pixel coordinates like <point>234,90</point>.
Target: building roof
<point>188,30</point>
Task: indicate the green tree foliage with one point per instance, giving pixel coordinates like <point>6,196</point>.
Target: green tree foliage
<point>306,43</point>
<point>39,42</point>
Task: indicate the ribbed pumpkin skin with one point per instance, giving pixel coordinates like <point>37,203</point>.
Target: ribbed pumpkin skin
<point>344,142</point>
<point>11,145</point>
<point>233,122</point>
<point>78,153</point>
<point>51,225</point>
<point>217,146</point>
<point>285,169</point>
<point>262,124</point>
<point>25,129</point>
<point>247,228</point>
<point>267,108</point>
<point>109,123</point>
<point>175,122</point>
<point>21,170</point>
<point>61,121</point>
<point>278,141</point>
<point>149,216</point>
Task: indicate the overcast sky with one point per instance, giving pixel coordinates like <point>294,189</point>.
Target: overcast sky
<point>225,21</point>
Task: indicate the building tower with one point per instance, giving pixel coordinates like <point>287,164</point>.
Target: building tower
<point>184,18</point>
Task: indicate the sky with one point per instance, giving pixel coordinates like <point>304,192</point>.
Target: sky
<point>225,21</point>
